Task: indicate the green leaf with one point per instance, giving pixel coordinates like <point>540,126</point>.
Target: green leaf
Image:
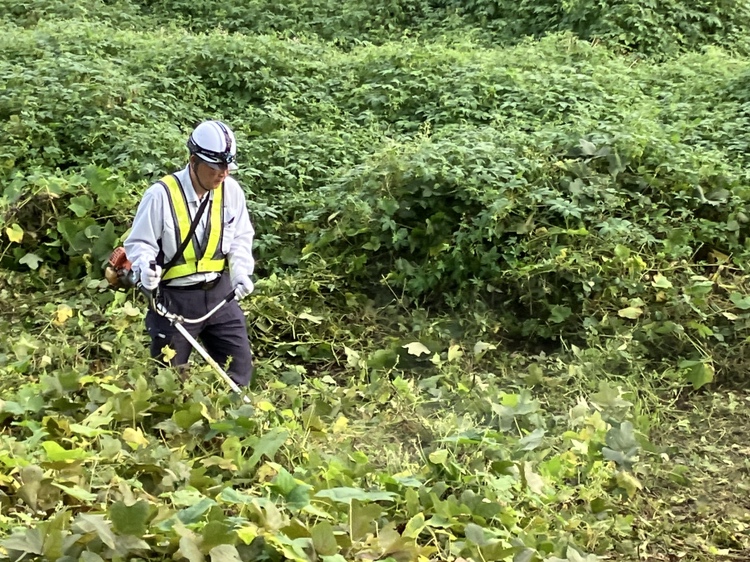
<point>661,282</point>
<point>224,553</point>
<point>76,492</point>
<point>574,556</point>
<point>324,540</point>
<point>699,373</point>
<point>559,313</point>
<point>475,534</point>
<point>414,526</point>
<point>30,541</point>
<point>193,513</point>
<point>363,518</point>
<point>622,446</point>
<point>439,457</point>
<point>189,549</point>
<point>87,523</point>
<point>346,495</point>
<point>532,440</point>
<point>216,533</point>
<point>56,453</point>
<point>81,205</point>
<point>130,520</point>
<point>267,445</point>
<point>739,300</point>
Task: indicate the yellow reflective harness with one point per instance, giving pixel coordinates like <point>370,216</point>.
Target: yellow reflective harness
<point>197,257</point>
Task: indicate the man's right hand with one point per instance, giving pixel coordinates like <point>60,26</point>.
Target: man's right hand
<point>150,277</point>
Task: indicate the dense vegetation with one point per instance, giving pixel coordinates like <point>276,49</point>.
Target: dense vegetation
<point>501,285</point>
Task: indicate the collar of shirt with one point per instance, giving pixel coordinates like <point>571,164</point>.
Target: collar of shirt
<point>187,187</point>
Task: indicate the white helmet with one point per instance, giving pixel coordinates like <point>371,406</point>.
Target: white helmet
<point>214,142</point>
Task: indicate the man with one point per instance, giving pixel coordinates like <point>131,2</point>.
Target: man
<point>193,275</point>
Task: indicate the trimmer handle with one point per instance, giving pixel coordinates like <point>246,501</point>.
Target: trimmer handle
<point>147,293</point>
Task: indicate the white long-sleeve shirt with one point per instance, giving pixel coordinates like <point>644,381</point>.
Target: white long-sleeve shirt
<point>154,223</point>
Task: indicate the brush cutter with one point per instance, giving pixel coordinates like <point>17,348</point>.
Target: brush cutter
<point>120,275</point>
<point>177,321</point>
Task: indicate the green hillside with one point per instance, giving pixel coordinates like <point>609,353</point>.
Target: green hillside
<point>502,301</point>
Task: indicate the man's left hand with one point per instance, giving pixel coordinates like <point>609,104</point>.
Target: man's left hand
<point>243,286</point>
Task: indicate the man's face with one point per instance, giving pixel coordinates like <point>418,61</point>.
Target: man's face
<point>210,175</point>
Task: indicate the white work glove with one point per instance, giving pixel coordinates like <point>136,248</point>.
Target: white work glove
<point>243,286</point>
<point>150,277</point>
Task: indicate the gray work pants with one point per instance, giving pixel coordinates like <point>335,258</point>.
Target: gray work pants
<point>224,335</point>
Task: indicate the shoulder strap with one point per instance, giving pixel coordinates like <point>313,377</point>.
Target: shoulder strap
<point>193,226</point>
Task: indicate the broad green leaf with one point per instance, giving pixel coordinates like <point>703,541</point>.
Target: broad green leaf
<point>30,541</point>
<point>573,555</point>
<point>81,205</point>
<point>323,539</point>
<point>622,446</point>
<point>363,518</point>
<point>89,523</point>
<point>346,495</point>
<point>56,453</point>
<point>190,549</point>
<point>455,352</point>
<point>661,282</point>
<point>475,534</point>
<point>739,300</point>
<point>531,478</point>
<point>532,440</point>
<point>700,374</point>
<point>130,520</point>
<point>194,513</point>
<point>224,553</point>
<point>559,313</point>
<point>76,492</point>
<point>267,445</point>
<point>439,457</point>
<point>414,526</point>
<point>215,533</point>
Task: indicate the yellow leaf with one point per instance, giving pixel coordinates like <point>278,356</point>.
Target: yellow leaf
<point>629,482</point>
<point>340,424</point>
<point>631,312</point>
<point>134,437</point>
<point>265,406</point>
<point>168,353</point>
<point>14,233</point>
<point>62,313</point>
<point>454,352</point>
<point>248,534</point>
<point>206,414</point>
<point>130,310</point>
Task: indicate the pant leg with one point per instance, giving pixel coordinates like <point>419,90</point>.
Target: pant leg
<point>163,333</point>
<point>225,336</point>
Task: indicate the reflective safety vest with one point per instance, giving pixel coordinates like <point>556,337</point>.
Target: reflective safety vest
<point>200,256</point>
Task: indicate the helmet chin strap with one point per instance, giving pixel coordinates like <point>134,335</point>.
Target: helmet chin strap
<point>194,168</point>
